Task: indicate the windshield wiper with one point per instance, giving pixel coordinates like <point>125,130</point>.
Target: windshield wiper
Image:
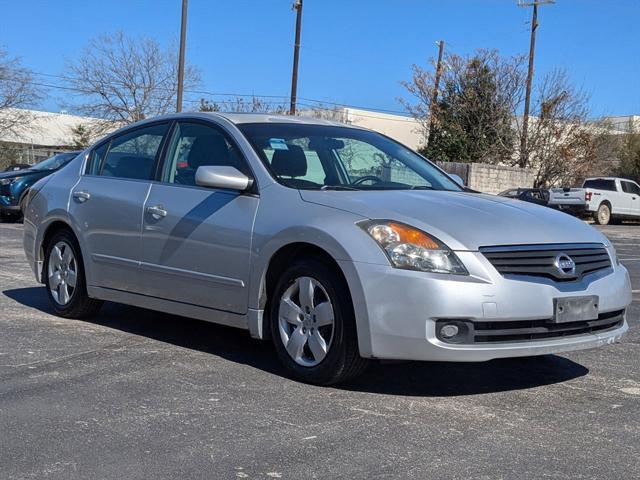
<point>338,187</point>
<point>422,187</point>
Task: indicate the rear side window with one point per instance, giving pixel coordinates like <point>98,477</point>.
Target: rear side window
<point>600,184</point>
<point>130,155</point>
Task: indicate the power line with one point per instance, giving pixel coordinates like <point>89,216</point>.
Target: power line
<point>221,94</point>
<point>308,102</point>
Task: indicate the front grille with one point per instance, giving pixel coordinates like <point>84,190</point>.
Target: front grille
<point>541,260</point>
<point>528,330</point>
<point>5,190</point>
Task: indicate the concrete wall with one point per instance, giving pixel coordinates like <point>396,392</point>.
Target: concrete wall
<point>490,178</point>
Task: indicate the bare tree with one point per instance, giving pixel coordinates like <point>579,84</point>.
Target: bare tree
<point>563,144</point>
<point>334,113</point>
<point>124,80</point>
<point>629,153</point>
<point>17,92</point>
<point>253,104</point>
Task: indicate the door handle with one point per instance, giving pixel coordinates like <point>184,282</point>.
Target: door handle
<point>82,196</point>
<point>157,211</point>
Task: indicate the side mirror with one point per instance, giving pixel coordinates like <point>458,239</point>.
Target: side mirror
<point>222,177</point>
<point>457,179</point>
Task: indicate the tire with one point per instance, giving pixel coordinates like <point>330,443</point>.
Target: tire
<point>293,324</point>
<point>63,271</point>
<point>603,215</point>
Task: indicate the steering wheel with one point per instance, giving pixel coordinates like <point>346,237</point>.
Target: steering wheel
<point>366,178</point>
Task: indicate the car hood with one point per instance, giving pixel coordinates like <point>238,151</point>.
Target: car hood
<point>18,173</point>
<point>462,220</point>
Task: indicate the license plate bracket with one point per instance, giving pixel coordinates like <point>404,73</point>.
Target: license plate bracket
<point>575,309</point>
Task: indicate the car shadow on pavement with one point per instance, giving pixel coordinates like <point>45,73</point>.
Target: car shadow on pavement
<point>394,378</point>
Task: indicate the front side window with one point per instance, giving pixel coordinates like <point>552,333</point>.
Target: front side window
<point>195,145</point>
<point>630,187</point>
<point>130,155</point>
<point>330,157</point>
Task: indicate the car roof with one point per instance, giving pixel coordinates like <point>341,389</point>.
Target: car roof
<point>236,119</point>
<point>607,178</point>
<point>240,118</point>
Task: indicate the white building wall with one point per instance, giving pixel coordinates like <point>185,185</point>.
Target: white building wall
<point>46,129</point>
<point>405,130</point>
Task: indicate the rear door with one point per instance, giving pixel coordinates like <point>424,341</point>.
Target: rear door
<point>107,205</point>
<point>197,241</point>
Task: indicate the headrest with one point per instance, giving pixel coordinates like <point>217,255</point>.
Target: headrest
<point>289,163</point>
<point>208,150</point>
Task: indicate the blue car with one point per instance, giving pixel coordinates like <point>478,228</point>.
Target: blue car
<point>15,185</point>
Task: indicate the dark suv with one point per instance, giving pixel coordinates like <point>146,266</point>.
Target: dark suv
<point>14,185</point>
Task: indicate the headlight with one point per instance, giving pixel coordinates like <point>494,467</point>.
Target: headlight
<point>412,249</point>
<point>9,181</point>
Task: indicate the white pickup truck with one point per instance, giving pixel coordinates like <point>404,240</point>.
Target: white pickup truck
<point>606,198</point>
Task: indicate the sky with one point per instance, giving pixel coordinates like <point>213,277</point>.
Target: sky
<point>354,52</point>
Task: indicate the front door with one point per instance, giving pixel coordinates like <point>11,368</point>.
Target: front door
<point>107,203</point>
<point>632,190</point>
<point>197,241</point>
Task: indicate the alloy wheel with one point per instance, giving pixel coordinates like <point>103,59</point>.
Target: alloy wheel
<point>603,215</point>
<point>62,270</point>
<point>306,321</point>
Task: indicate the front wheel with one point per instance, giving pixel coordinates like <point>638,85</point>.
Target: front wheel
<point>603,215</point>
<point>64,278</point>
<point>313,324</point>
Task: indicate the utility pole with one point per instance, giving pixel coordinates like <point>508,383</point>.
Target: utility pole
<point>436,86</point>
<point>524,149</point>
<point>183,37</point>
<point>296,54</point>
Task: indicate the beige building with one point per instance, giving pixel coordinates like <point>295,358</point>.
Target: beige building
<point>405,130</point>
<point>46,134</point>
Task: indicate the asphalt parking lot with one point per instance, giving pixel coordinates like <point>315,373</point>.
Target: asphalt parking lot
<point>137,394</point>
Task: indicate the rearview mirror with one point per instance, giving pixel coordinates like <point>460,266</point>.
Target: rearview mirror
<point>457,179</point>
<point>222,177</point>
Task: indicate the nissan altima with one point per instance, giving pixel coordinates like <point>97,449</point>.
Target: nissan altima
<point>336,243</point>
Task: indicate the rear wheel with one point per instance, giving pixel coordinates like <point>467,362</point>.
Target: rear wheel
<point>603,215</point>
<point>313,324</point>
<point>64,278</point>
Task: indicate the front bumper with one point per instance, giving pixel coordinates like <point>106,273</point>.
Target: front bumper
<point>9,205</point>
<point>397,310</point>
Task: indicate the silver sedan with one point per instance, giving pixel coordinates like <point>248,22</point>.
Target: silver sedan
<point>336,243</point>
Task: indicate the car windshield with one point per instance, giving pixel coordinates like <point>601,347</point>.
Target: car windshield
<point>55,162</point>
<point>320,157</point>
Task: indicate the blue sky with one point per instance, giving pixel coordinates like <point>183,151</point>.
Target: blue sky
<point>354,51</point>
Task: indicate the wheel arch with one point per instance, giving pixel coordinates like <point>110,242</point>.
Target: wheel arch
<point>265,279</point>
<point>51,229</point>
<point>293,251</point>
<point>606,202</point>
